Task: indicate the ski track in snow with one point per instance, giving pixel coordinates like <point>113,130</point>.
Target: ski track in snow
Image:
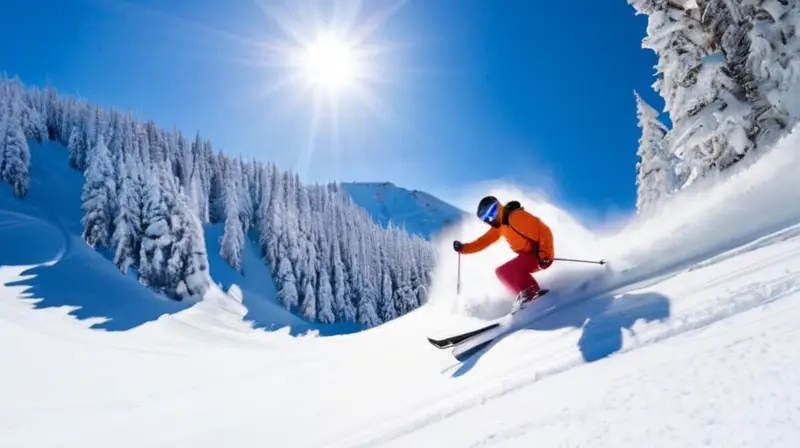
<point>708,424</point>
<point>737,301</point>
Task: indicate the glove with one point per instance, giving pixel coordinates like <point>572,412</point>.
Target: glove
<point>545,263</point>
<point>457,246</point>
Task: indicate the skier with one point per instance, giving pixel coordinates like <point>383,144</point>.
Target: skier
<point>526,234</point>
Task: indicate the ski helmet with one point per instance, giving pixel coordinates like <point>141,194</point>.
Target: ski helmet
<point>488,208</point>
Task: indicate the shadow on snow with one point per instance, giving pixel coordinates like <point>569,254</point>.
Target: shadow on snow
<point>79,278</point>
<point>602,320</point>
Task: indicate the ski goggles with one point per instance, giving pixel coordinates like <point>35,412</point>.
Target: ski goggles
<point>490,213</point>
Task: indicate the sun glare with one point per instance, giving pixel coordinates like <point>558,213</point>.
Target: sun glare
<point>325,62</point>
<point>329,63</point>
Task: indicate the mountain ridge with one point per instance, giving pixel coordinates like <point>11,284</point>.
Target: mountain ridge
<point>413,210</point>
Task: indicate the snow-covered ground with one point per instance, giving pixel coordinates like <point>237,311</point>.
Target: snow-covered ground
<point>686,338</point>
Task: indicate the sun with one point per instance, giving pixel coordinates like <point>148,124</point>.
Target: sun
<point>328,71</point>
<point>328,52</point>
<point>329,63</point>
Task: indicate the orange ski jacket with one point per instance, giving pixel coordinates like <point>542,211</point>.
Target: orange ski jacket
<point>522,231</point>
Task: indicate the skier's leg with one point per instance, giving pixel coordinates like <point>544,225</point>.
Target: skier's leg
<point>533,290</point>
<point>515,274</point>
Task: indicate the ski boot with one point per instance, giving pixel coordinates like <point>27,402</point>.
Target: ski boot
<point>526,296</point>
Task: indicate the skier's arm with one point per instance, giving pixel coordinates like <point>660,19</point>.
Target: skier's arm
<point>482,242</point>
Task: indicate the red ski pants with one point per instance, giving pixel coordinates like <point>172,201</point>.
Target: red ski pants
<point>516,273</point>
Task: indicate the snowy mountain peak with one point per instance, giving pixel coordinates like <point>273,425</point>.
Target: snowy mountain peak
<point>416,211</point>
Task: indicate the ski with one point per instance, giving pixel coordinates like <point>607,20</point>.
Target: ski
<point>454,340</point>
<point>511,322</point>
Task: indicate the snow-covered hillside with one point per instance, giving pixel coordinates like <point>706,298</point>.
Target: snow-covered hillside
<point>413,210</point>
<point>686,338</point>
<point>149,198</point>
<point>44,230</point>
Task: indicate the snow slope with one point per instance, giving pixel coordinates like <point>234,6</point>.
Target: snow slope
<point>416,211</point>
<point>687,338</point>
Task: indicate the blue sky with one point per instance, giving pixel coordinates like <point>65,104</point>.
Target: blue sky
<point>538,93</point>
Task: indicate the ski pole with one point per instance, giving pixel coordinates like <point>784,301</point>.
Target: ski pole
<point>580,261</point>
<point>458,281</point>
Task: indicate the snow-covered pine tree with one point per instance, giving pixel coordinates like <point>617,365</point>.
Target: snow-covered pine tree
<point>99,190</point>
<point>187,265</point>
<point>36,104</point>
<point>121,148</point>
<point>197,199</point>
<point>256,171</point>
<point>290,221</point>
<point>232,240</point>
<point>245,194</point>
<point>97,123</point>
<point>286,225</point>
<point>216,195</point>
<point>285,278</point>
<point>200,179</point>
<point>386,294</point>
<point>773,59</point>
<point>126,239</point>
<point>53,114</point>
<point>5,106</point>
<point>112,136</point>
<point>62,115</point>
<point>77,147</point>
<point>173,154</point>
<point>173,255</point>
<point>307,268</point>
<point>308,299</point>
<point>31,120</point>
<point>274,224</point>
<point>404,300</point>
<point>347,240</point>
<point>325,299</point>
<point>14,152</point>
<point>142,144</point>
<point>655,171</point>
<point>731,28</point>
<point>711,116</point>
<point>157,143</point>
<point>156,239</point>
<point>422,270</point>
<point>23,103</point>
<point>86,121</point>
<point>184,160</point>
<point>342,306</point>
<point>325,312</point>
<point>368,285</point>
<point>263,217</point>
<point>207,168</point>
